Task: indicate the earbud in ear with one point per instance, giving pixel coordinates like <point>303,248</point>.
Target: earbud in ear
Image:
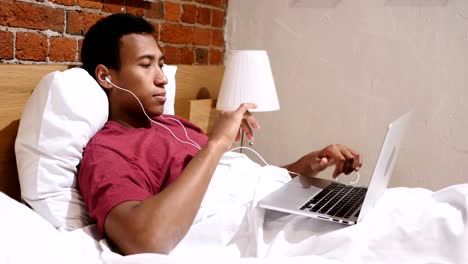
<point>107,78</point>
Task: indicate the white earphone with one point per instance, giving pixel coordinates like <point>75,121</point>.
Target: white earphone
<point>189,142</point>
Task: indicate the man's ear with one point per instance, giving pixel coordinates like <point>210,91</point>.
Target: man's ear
<point>101,73</point>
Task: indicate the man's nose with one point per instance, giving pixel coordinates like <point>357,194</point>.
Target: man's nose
<point>161,79</point>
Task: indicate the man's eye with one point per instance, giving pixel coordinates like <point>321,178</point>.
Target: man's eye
<point>145,65</point>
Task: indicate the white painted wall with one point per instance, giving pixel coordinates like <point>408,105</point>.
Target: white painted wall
<point>345,68</point>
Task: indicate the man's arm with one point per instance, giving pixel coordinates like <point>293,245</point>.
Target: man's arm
<point>344,158</point>
<point>158,224</point>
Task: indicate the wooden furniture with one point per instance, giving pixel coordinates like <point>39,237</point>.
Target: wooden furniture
<point>18,81</point>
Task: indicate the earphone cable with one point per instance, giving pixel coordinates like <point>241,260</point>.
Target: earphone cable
<point>192,143</point>
<point>260,157</point>
<point>358,176</point>
<point>186,133</point>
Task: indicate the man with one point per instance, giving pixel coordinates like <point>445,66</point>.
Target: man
<point>144,179</point>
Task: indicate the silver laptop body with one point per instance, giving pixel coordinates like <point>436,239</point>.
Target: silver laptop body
<point>336,202</point>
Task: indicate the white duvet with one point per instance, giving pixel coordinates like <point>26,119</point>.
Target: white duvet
<point>406,226</point>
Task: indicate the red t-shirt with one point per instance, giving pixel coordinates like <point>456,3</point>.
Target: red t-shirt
<point>132,164</point>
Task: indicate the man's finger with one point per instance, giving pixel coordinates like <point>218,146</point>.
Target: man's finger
<point>357,162</point>
<point>238,136</point>
<point>357,159</point>
<point>348,168</point>
<point>247,130</point>
<point>252,121</point>
<point>336,155</point>
<point>349,162</point>
<point>245,107</point>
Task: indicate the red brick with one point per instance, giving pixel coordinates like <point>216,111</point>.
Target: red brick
<point>170,55</point>
<point>156,31</point>
<point>201,56</point>
<point>216,3</point>
<point>216,57</point>
<point>217,18</point>
<point>137,11</point>
<point>155,10</point>
<point>63,2</point>
<point>175,33</point>
<point>26,15</point>
<point>175,55</point>
<point>189,14</point>
<point>217,38</point>
<point>6,45</point>
<point>80,45</point>
<point>62,49</point>
<point>90,19</point>
<point>172,11</point>
<point>137,7</point>
<point>31,46</point>
<point>204,16</point>
<point>74,23</point>
<point>201,36</point>
<point>113,6</point>
<point>187,55</point>
<point>90,4</point>
<point>78,23</point>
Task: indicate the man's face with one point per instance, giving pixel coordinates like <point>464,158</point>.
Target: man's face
<point>140,71</point>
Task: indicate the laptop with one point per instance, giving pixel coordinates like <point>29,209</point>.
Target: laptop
<point>332,201</point>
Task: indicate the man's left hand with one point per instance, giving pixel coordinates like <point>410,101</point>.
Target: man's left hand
<point>345,160</point>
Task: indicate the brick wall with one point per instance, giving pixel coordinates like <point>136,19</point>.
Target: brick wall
<point>51,31</point>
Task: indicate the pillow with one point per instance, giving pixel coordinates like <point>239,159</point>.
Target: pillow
<point>170,72</point>
<point>64,111</point>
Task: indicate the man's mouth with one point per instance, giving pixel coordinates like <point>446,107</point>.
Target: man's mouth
<point>160,97</point>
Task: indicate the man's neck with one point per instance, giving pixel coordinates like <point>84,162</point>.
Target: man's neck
<point>131,122</point>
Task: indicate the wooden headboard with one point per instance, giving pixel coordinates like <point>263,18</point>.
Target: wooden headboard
<point>17,82</point>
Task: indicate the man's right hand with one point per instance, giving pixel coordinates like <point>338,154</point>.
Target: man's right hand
<point>228,124</point>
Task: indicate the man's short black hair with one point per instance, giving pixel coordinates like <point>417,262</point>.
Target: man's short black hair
<point>101,44</point>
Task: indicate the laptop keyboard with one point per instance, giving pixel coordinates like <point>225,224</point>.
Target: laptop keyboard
<point>337,199</point>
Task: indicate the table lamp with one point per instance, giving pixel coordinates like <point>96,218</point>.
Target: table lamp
<point>248,79</point>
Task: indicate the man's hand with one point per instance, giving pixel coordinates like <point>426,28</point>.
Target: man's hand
<point>345,159</point>
<point>227,126</point>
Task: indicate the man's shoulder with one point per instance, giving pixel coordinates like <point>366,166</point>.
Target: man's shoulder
<point>108,130</point>
<point>108,137</point>
<point>116,138</point>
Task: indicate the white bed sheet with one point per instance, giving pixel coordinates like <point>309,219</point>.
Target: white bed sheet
<point>26,237</point>
<point>428,228</point>
<point>405,235</point>
<point>407,226</point>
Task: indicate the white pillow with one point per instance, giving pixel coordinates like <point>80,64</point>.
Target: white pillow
<point>170,72</point>
<point>64,111</point>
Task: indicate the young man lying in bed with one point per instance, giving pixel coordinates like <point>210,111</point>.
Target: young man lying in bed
<point>137,172</point>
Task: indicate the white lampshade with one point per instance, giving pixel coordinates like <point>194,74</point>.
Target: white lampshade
<point>248,79</point>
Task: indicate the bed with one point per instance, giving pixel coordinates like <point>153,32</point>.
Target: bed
<point>408,225</point>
